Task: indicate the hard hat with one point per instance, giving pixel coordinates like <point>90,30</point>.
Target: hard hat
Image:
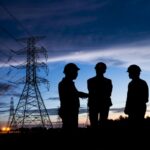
<point>134,68</point>
<point>101,65</point>
<point>70,67</point>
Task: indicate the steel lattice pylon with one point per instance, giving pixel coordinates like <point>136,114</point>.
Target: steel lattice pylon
<point>30,110</point>
<point>11,111</point>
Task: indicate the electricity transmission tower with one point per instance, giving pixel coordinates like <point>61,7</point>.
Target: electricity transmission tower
<point>11,111</point>
<point>30,110</point>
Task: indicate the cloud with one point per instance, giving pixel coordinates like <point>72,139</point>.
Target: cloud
<point>74,24</point>
<point>4,87</point>
<point>115,56</point>
<point>54,8</point>
<point>82,110</point>
<point>4,108</point>
<point>117,110</point>
<point>50,17</point>
<point>54,111</point>
<point>4,111</point>
<point>3,105</point>
<point>12,93</point>
<point>82,28</point>
<point>53,98</point>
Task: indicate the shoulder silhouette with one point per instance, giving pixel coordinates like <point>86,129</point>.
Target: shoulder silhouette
<point>100,89</point>
<point>137,95</point>
<point>69,97</point>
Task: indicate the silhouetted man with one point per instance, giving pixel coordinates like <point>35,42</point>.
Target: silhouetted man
<point>69,97</point>
<point>137,95</point>
<point>100,89</point>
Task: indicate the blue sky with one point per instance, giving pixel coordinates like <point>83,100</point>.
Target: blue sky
<point>85,32</point>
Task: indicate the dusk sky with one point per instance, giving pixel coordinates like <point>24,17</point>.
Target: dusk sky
<point>116,32</point>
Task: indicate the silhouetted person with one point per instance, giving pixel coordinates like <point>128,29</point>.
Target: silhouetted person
<point>69,97</point>
<point>137,95</point>
<point>100,89</point>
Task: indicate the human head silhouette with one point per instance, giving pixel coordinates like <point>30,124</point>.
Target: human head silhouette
<point>71,70</point>
<point>134,71</point>
<point>100,68</point>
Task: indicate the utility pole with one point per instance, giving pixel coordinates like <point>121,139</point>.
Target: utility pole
<point>31,110</point>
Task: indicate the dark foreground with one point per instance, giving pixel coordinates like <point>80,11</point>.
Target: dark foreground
<point>113,135</point>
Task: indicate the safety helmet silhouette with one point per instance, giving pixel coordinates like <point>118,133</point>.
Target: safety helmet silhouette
<point>70,67</point>
<point>101,66</point>
<point>134,68</point>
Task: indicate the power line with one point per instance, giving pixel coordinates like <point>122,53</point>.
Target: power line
<point>10,35</point>
<point>15,19</point>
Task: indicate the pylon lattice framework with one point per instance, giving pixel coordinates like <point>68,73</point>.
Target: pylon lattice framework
<point>30,110</point>
<point>11,111</point>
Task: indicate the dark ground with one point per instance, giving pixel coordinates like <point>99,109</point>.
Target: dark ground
<point>113,135</point>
